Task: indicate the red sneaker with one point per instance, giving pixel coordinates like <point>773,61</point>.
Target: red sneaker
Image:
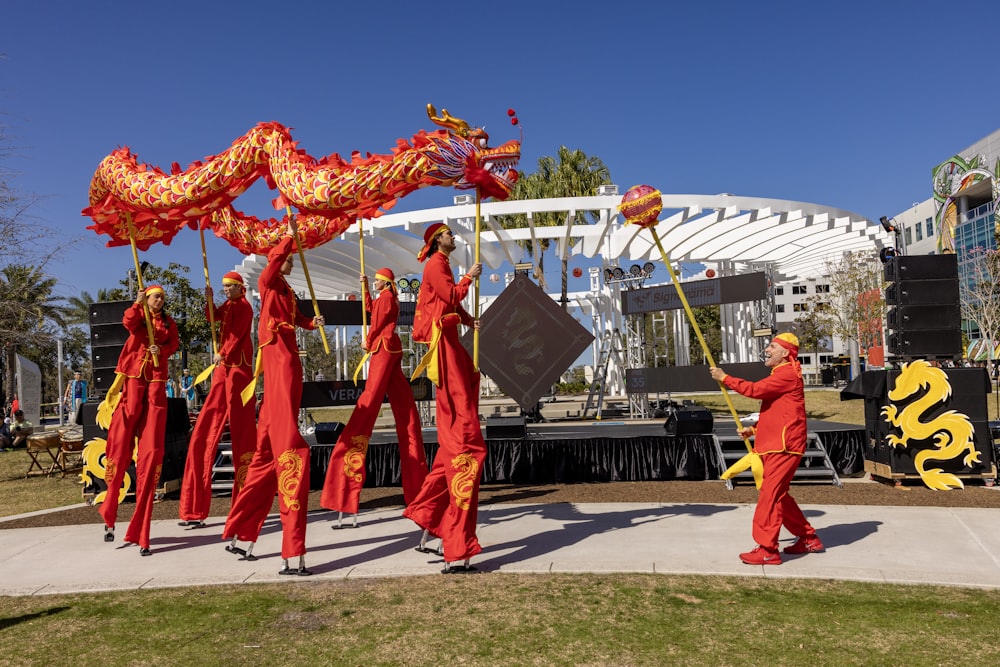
<point>761,556</point>
<point>805,545</point>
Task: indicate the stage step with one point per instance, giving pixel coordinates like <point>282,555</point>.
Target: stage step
<point>223,472</point>
<point>815,460</point>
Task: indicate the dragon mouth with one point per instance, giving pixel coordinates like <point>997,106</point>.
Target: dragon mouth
<point>500,168</point>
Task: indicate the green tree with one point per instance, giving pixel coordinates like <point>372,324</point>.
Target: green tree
<point>572,173</point>
<point>30,317</point>
<point>709,319</point>
<point>814,326</point>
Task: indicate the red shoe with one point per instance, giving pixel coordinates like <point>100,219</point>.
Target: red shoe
<point>805,545</point>
<point>761,556</point>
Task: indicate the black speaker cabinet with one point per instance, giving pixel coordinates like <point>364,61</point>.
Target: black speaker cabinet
<point>942,292</point>
<point>688,421</point>
<point>921,267</point>
<point>924,318</point>
<point>506,428</point>
<point>970,388</point>
<point>328,432</point>
<point>107,335</point>
<point>108,312</point>
<point>936,342</point>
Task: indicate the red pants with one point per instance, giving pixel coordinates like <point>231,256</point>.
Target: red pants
<point>346,472</point>
<point>142,413</point>
<point>281,461</point>
<point>775,507</point>
<point>223,404</point>
<point>448,503</point>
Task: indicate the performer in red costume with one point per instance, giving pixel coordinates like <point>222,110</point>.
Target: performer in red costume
<point>448,502</point>
<point>281,461</point>
<point>346,472</point>
<point>780,441</point>
<point>141,412</point>
<point>233,372</point>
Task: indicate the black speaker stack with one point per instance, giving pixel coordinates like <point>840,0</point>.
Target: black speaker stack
<point>924,317</point>
<point>506,428</point>
<point>107,337</point>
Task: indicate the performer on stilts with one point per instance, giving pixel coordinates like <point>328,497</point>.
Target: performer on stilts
<point>281,461</point>
<point>448,503</point>
<point>141,412</point>
<point>233,372</point>
<point>346,472</point>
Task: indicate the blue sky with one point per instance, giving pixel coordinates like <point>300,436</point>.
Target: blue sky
<point>848,104</point>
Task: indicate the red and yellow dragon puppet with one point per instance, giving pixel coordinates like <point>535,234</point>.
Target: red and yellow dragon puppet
<point>329,193</point>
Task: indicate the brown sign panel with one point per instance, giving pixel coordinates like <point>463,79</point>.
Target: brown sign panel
<point>329,393</point>
<point>731,289</point>
<point>526,341</point>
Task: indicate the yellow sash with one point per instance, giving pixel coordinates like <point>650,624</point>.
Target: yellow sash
<point>247,393</point>
<point>429,362</point>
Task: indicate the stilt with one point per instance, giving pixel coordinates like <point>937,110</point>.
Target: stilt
<point>301,571</point>
<point>340,521</point>
<point>109,533</point>
<point>456,568</point>
<point>246,553</point>
<point>424,549</point>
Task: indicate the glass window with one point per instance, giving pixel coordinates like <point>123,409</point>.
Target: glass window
<point>919,229</point>
<point>806,360</point>
<point>800,307</point>
<point>929,225</point>
<point>779,291</point>
<point>908,235</point>
<point>799,289</point>
<point>779,307</point>
<point>822,289</point>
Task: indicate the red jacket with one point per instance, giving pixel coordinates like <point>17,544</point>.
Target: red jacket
<point>385,311</point>
<point>234,319</point>
<point>782,425</point>
<point>135,359</point>
<point>439,296</point>
<point>279,310</point>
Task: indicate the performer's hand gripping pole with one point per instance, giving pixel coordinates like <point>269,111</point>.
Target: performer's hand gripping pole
<point>305,270</point>
<point>138,280</point>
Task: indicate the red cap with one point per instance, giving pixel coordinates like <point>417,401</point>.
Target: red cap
<point>232,278</point>
<point>431,233</point>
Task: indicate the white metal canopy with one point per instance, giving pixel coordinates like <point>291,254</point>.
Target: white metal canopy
<point>795,238</point>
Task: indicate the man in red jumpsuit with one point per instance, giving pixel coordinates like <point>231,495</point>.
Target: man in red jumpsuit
<point>141,412</point>
<point>780,440</point>
<point>281,461</point>
<point>448,502</point>
<point>233,372</point>
<point>346,472</point>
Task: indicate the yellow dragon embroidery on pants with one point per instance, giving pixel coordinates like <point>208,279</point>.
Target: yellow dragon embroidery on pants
<point>354,459</point>
<point>952,431</point>
<point>96,465</point>
<point>289,478</point>
<point>465,478</point>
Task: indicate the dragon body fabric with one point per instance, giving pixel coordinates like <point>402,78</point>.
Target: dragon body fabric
<point>927,387</point>
<point>128,198</point>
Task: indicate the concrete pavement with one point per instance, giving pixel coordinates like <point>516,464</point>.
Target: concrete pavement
<point>909,545</point>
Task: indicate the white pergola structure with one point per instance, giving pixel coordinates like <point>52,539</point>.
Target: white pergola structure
<point>733,234</point>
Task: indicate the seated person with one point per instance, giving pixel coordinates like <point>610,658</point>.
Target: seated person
<point>6,442</point>
<point>21,429</point>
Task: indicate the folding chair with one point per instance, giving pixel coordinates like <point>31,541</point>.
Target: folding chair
<point>42,445</point>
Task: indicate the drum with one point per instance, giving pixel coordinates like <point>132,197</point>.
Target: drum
<point>71,439</point>
<point>46,440</point>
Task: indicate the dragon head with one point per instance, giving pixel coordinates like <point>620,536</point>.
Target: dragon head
<point>465,158</point>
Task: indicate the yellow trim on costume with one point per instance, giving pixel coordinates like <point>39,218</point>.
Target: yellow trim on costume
<point>205,374</point>
<point>247,393</point>
<point>361,365</point>
<point>429,362</point>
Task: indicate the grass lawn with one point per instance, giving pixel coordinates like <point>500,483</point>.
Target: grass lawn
<point>508,619</point>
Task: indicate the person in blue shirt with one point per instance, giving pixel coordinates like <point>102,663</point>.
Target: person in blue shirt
<point>76,395</point>
<point>187,388</point>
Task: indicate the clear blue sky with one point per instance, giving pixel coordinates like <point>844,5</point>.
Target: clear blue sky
<point>847,103</point>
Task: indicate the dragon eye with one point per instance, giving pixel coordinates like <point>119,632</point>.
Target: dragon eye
<point>482,143</point>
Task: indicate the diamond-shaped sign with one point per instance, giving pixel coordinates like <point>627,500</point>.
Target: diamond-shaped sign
<point>526,341</point>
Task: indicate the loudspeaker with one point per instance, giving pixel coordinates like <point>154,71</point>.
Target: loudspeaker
<point>688,421</point>
<point>924,318</point>
<point>921,267</point>
<point>506,428</point>
<point>108,312</point>
<point>328,432</point>
<point>923,292</point>
<point>934,342</point>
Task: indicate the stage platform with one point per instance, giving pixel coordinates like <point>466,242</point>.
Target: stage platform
<point>562,452</point>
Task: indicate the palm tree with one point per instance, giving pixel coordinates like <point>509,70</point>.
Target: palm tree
<point>28,312</point>
<point>572,173</point>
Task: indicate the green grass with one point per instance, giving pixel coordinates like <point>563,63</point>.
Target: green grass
<point>508,619</point>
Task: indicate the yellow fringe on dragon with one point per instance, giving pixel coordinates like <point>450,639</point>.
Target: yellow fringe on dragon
<point>952,431</point>
<point>329,193</point>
